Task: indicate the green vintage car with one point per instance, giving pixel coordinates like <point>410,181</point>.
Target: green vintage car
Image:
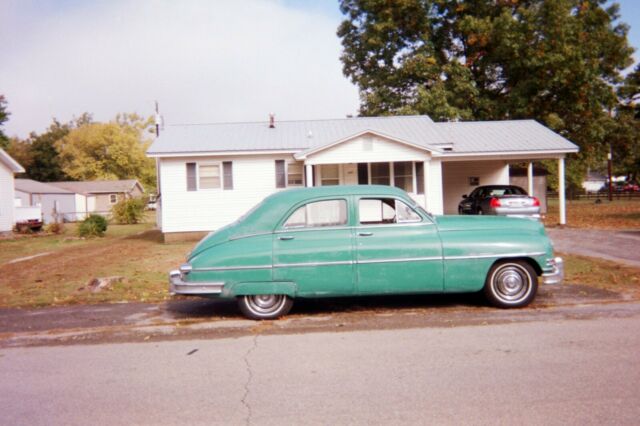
<point>364,240</point>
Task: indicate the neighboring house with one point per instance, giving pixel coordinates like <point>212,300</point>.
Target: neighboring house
<point>8,167</point>
<point>210,174</point>
<point>594,182</point>
<point>101,195</point>
<point>56,203</point>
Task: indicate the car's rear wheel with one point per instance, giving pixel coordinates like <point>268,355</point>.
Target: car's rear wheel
<point>511,284</point>
<point>264,306</point>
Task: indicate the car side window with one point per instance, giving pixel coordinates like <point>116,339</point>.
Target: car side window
<point>378,211</point>
<point>319,214</point>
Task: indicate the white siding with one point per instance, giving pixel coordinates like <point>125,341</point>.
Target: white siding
<point>368,149</point>
<point>25,198</point>
<point>81,206</point>
<point>6,199</point>
<point>206,210</point>
<point>433,187</point>
<point>456,179</point>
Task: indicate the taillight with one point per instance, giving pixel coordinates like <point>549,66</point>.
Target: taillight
<point>536,202</point>
<point>495,202</point>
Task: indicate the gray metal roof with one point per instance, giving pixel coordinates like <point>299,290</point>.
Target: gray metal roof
<point>98,186</point>
<point>34,187</point>
<point>299,136</point>
<point>502,136</point>
<point>292,136</point>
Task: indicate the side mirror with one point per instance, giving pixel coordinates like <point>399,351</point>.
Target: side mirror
<point>465,196</point>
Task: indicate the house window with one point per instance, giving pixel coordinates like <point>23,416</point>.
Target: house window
<point>113,198</point>
<point>330,175</point>
<point>380,174</point>
<point>318,214</point>
<point>294,174</point>
<point>191,177</point>
<point>208,176</point>
<point>403,175</point>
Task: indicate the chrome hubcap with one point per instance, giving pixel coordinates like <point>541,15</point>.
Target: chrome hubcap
<point>511,283</point>
<point>265,303</point>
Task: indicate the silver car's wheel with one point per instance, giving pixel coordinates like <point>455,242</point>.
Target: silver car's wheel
<point>265,306</point>
<point>480,212</point>
<point>511,284</point>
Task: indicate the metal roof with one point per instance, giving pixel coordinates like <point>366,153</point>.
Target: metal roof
<point>8,161</point>
<point>34,187</point>
<point>502,136</point>
<point>511,136</point>
<point>98,186</point>
<point>294,136</point>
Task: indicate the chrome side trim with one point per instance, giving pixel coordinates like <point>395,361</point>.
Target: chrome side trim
<point>295,265</point>
<point>231,268</point>
<point>489,256</point>
<point>407,259</point>
<point>393,225</point>
<point>311,228</point>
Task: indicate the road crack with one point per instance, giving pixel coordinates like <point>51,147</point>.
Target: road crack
<point>245,397</point>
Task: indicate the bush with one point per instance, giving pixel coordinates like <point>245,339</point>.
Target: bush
<point>93,226</point>
<point>129,210</point>
<point>54,228</point>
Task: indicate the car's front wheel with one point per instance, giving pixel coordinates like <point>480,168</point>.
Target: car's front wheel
<point>511,284</point>
<point>264,306</point>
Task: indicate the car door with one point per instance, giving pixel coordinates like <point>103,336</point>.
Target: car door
<point>397,249</point>
<point>313,248</point>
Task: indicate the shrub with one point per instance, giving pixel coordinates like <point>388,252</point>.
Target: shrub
<point>129,210</point>
<point>54,228</point>
<point>93,226</point>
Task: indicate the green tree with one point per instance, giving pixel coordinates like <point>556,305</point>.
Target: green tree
<point>113,150</point>
<point>45,164</point>
<point>4,116</point>
<point>20,150</point>
<point>557,61</point>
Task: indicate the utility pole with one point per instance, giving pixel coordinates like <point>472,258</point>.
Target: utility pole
<point>609,171</point>
<point>158,120</point>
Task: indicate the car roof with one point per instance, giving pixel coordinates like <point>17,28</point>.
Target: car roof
<point>271,210</point>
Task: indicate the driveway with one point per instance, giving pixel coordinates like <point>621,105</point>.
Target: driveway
<point>618,246</point>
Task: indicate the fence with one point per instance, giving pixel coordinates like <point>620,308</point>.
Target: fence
<point>602,195</point>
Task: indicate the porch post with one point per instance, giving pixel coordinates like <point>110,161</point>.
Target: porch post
<point>425,177</point>
<point>308,169</point>
<point>530,178</point>
<point>561,199</point>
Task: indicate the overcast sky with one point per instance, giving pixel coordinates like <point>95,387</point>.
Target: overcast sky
<point>204,61</point>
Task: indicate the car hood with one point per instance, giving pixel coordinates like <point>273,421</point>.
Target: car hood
<point>470,223</point>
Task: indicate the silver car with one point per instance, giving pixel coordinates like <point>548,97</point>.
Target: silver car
<point>504,200</point>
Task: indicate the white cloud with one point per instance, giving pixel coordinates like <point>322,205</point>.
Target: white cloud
<point>204,61</point>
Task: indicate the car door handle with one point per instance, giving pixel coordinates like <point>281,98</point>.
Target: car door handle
<point>286,238</point>
<point>365,234</point>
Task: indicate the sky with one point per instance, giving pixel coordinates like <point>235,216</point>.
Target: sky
<point>204,61</point>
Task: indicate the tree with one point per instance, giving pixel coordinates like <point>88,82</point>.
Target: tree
<point>45,164</point>
<point>4,116</point>
<point>557,61</point>
<point>20,150</point>
<point>113,150</point>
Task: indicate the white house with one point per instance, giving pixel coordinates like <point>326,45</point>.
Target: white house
<point>210,174</point>
<point>8,167</point>
<point>65,205</point>
<point>72,201</point>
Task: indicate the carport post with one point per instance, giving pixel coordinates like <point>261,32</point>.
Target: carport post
<point>530,178</point>
<point>561,199</point>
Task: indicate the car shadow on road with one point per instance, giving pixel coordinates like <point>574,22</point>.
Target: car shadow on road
<point>227,309</point>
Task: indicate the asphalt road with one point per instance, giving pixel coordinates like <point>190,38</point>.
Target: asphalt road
<point>552,371</point>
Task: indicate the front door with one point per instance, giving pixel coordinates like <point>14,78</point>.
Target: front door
<point>314,249</point>
<point>397,250</point>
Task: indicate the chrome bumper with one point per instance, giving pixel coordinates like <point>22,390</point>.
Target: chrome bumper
<point>178,286</point>
<point>556,276</point>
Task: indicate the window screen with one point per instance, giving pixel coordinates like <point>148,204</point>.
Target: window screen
<point>380,174</point>
<point>420,178</point>
<point>209,176</point>
<point>403,175</point>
